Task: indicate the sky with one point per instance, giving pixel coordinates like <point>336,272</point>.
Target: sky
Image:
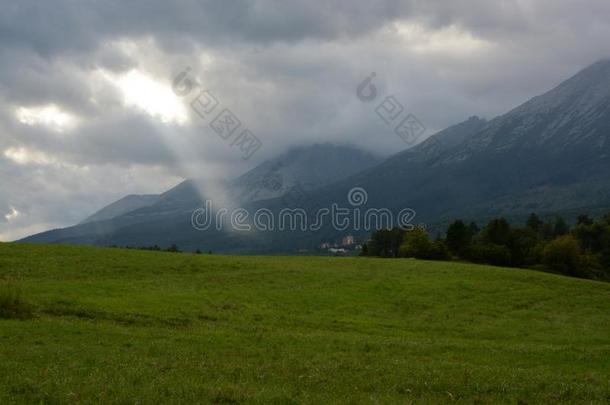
<point>91,108</point>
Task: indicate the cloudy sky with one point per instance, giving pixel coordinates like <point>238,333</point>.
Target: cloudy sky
<point>88,114</point>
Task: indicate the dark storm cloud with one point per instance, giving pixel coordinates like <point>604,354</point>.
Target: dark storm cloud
<point>53,26</point>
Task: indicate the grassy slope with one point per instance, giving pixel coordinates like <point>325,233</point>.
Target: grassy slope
<point>121,326</point>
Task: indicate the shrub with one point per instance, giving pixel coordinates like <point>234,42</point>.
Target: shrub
<point>12,303</point>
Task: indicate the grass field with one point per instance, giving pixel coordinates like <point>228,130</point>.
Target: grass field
<point>123,326</point>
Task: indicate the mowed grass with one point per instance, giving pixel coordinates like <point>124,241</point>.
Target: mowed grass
<point>124,326</point>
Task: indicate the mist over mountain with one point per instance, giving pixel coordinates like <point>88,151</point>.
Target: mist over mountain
<point>123,206</point>
<point>550,155</point>
<point>308,167</point>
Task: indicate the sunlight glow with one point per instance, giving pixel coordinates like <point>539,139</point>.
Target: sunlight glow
<point>451,39</point>
<point>151,96</point>
<point>12,215</point>
<point>25,156</point>
<point>50,116</point>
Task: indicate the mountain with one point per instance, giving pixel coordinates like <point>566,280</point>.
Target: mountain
<point>550,155</point>
<point>169,219</point>
<point>123,206</point>
<point>308,167</point>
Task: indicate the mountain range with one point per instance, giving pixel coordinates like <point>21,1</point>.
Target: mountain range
<point>307,167</point>
<point>550,155</point>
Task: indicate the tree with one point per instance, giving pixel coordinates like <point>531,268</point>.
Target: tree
<point>497,232</point>
<point>591,237</point>
<point>416,244</point>
<point>563,255</point>
<point>521,245</point>
<point>560,228</point>
<point>173,248</point>
<point>459,238</point>
<point>439,251</point>
<point>365,250</point>
<point>386,242</point>
<point>534,223</point>
<point>490,253</point>
<point>595,240</point>
<point>547,232</point>
<point>584,220</point>
<point>583,251</point>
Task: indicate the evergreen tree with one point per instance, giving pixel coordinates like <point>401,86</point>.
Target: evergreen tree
<point>497,232</point>
<point>584,220</point>
<point>474,228</point>
<point>534,223</point>
<point>386,242</point>
<point>560,228</point>
<point>459,237</point>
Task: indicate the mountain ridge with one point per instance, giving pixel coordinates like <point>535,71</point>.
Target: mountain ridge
<point>305,166</point>
<point>550,154</point>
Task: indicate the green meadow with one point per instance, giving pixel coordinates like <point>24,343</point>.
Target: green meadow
<point>94,325</point>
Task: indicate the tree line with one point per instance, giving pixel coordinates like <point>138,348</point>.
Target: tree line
<point>579,251</point>
<point>173,248</point>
